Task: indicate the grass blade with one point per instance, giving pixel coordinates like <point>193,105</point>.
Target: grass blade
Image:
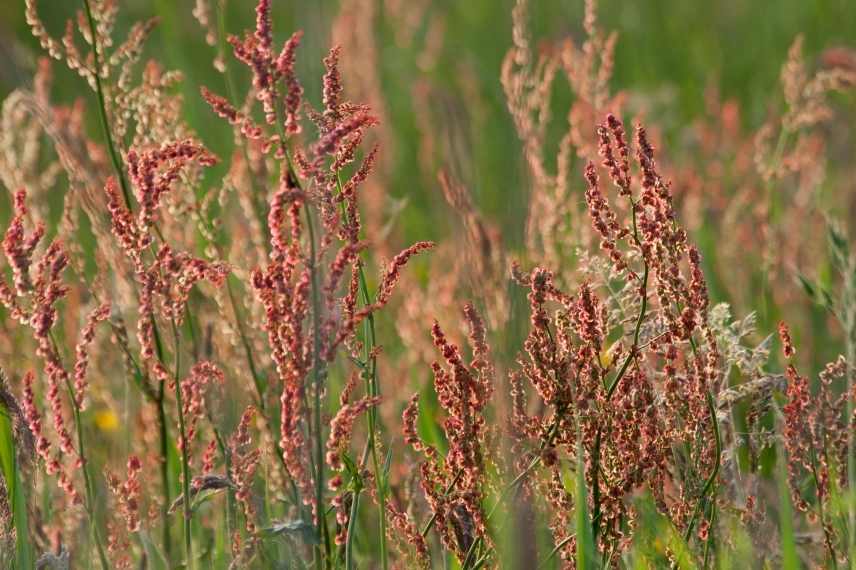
<point>17,499</point>
<point>585,539</point>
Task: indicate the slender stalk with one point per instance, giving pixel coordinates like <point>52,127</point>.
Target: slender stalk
<point>448,490</point>
<point>115,158</point>
<point>317,377</point>
<point>711,408</point>
<point>850,342</point>
<point>87,474</point>
<point>634,349</point>
<point>561,544</point>
<point>372,389</point>
<point>551,435</point>
<point>185,460</point>
<point>163,430</point>
<point>318,372</point>
<point>88,484</point>
<point>352,521</point>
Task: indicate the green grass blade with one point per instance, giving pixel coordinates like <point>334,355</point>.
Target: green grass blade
<point>790,560</point>
<point>585,540</point>
<point>17,499</point>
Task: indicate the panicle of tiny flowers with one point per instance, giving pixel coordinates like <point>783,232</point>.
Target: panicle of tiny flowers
<point>263,25</point>
<point>619,169</point>
<point>256,51</point>
<point>9,300</point>
<point>341,427</point>
<point>787,345</point>
<point>347,256</point>
<point>123,223</point>
<point>128,493</point>
<point>208,457</point>
<point>481,362</point>
<point>225,110</point>
<point>460,396</point>
<point>153,172</point>
<point>34,420</point>
<point>331,140</point>
<point>409,418</point>
<point>43,446</point>
<point>48,43</point>
<point>332,84</point>
<point>81,351</point>
<point>18,246</point>
<point>202,374</point>
<point>698,298</point>
<point>588,319</point>
<point>539,343</point>
<point>402,528</point>
<point>47,291</point>
<point>244,464</point>
<point>285,207</point>
<point>285,300</point>
<point>387,286</point>
<point>175,273</point>
<point>351,228</point>
<point>393,270</point>
<point>795,432</point>
<point>603,218</point>
<point>293,89</point>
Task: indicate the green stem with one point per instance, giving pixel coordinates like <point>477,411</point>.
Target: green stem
<point>185,459</point>
<point>372,389</point>
<point>164,471</point>
<point>634,348</point>
<point>318,378</point>
<point>102,108</point>
<point>711,409</point>
<point>87,475</point>
<point>850,342</point>
<point>446,492</point>
<point>88,484</point>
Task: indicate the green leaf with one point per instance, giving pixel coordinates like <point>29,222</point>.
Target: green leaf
<point>586,557</point>
<point>15,489</point>
<point>790,560</point>
<point>809,287</point>
<point>838,246</point>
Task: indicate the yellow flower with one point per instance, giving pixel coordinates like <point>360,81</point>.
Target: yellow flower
<point>107,420</point>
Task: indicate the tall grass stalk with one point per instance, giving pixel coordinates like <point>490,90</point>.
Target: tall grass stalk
<point>115,157</point>
<point>370,375</point>
<point>185,459</point>
<point>89,491</point>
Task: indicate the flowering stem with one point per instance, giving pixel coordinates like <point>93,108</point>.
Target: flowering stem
<point>372,390</point>
<point>711,409</point>
<point>634,348</point>
<point>448,490</point>
<point>317,370</point>
<point>87,476</point>
<point>318,377</point>
<point>849,323</point>
<point>164,469</point>
<point>116,160</point>
<point>233,97</point>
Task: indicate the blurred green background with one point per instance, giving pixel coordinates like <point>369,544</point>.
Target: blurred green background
<point>670,49</point>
